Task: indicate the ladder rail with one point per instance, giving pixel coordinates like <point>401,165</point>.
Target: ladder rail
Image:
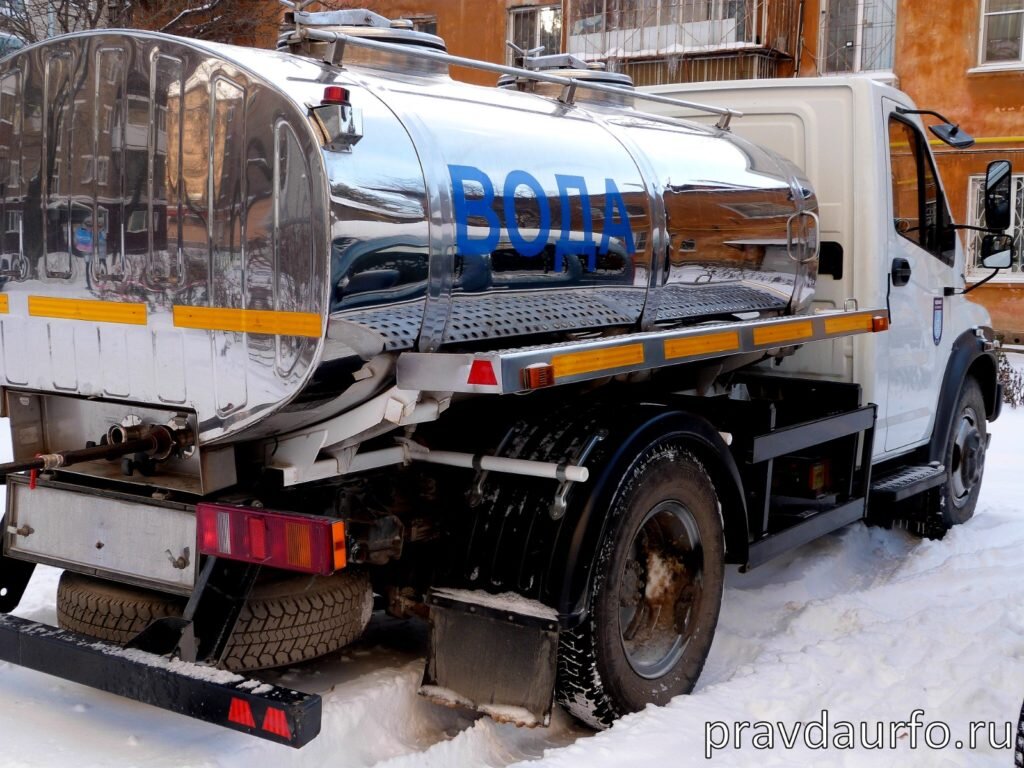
<point>571,84</point>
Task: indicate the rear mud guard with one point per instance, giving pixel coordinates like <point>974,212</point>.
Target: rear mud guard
<point>493,658</point>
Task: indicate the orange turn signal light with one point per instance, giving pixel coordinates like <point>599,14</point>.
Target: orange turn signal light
<point>879,323</point>
<point>538,375</point>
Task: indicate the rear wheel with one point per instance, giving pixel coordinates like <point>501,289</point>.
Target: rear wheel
<point>285,620</point>
<point>656,595</point>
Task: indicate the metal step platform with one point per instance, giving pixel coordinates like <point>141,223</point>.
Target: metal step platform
<point>907,481</point>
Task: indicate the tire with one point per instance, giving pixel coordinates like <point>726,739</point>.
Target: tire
<point>964,457</point>
<point>285,621</point>
<point>629,652</point>
<point>1018,742</point>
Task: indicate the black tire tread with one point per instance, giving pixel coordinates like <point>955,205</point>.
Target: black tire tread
<point>284,622</point>
<point>581,689</point>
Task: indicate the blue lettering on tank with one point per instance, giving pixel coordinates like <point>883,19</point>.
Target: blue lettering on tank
<point>478,207</point>
<point>526,247</point>
<point>571,241</point>
<point>613,201</point>
<point>566,245</point>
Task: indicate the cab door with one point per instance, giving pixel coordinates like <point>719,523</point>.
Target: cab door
<point>920,258</point>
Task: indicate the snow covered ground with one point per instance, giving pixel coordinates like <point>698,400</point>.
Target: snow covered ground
<point>866,624</point>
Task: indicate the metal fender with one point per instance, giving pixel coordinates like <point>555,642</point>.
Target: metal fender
<point>517,537</point>
<point>968,357</point>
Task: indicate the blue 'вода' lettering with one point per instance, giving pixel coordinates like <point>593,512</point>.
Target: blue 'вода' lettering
<point>526,247</point>
<point>466,207</point>
<point>616,217</point>
<point>612,201</point>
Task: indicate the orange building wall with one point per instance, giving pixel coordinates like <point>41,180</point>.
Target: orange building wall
<point>476,29</point>
<point>934,70</point>
<point>936,46</point>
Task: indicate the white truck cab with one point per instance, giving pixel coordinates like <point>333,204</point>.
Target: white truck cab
<point>885,235</point>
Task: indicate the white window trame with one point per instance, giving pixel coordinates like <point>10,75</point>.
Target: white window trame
<point>976,217</point>
<point>857,36</point>
<point>1002,32</point>
<point>535,26</point>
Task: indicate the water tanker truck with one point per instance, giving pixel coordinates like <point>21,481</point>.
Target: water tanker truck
<point>287,336</point>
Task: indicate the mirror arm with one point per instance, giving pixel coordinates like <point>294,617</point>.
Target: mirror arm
<point>973,228</point>
<point>981,282</point>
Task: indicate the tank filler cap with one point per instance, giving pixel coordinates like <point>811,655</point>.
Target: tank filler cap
<point>360,23</point>
<point>564,64</point>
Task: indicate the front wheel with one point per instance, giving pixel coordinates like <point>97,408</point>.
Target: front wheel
<point>965,457</point>
<point>656,595</point>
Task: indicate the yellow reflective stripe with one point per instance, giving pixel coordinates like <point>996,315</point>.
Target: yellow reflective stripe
<point>725,341</point>
<point>784,332</point>
<point>597,360</point>
<point>89,310</point>
<point>846,324</point>
<point>5,303</point>
<point>265,321</point>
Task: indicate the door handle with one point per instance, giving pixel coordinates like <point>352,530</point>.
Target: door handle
<point>900,271</point>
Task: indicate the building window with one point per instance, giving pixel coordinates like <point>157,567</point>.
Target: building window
<point>857,35</point>
<point>1002,31</point>
<point>976,198</point>
<point>426,24</point>
<point>536,27</point>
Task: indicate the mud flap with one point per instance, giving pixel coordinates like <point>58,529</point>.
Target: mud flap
<point>495,654</point>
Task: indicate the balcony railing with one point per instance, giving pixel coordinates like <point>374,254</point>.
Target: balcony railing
<point>656,29</point>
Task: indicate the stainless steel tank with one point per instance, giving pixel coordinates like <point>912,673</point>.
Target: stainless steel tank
<point>252,235</point>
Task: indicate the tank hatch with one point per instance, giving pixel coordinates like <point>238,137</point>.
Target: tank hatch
<point>365,24</point>
<point>567,65</point>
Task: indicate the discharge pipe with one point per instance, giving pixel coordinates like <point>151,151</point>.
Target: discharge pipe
<point>158,442</point>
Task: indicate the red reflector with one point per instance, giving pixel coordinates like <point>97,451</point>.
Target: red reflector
<point>879,323</point>
<point>276,723</point>
<point>292,541</point>
<point>335,94</point>
<point>241,713</point>
<point>482,372</point>
<point>257,537</point>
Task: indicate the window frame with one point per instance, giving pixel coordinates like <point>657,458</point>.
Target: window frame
<point>1004,64</point>
<point>975,202</point>
<point>862,23</point>
<point>523,10</point>
<point>422,21</point>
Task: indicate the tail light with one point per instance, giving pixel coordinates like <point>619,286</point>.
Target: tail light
<point>291,541</point>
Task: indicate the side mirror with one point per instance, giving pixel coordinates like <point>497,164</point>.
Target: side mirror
<point>952,135</point>
<point>998,180</point>
<point>996,251</point>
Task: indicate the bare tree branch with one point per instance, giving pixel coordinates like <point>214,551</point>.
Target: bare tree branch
<point>220,20</point>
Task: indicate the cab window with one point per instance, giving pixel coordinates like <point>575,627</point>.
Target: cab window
<point>918,205</point>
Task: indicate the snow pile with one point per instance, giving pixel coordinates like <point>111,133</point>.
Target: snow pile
<point>867,624</point>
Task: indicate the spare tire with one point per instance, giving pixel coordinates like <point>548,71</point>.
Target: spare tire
<point>285,620</point>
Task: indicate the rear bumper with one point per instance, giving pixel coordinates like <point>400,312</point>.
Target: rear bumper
<point>215,696</point>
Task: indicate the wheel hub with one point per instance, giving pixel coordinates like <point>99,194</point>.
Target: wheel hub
<point>968,457</point>
<point>660,588</point>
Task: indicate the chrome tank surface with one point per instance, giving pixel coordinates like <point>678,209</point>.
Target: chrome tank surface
<point>181,229</point>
